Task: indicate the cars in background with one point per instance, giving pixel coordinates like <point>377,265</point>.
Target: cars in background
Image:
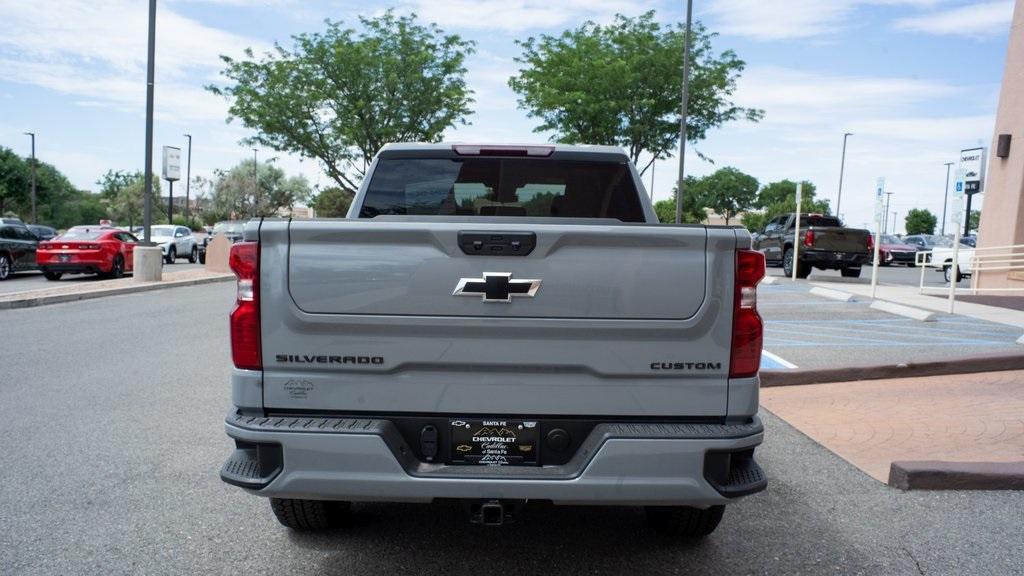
<point>942,259</point>
<point>230,229</point>
<point>101,250</point>
<point>42,232</point>
<point>175,242</point>
<point>893,250</point>
<point>927,243</point>
<point>17,248</point>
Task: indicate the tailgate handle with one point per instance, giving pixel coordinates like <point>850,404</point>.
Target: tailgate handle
<point>497,243</point>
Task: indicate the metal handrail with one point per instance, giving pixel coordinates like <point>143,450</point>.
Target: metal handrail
<point>992,259</point>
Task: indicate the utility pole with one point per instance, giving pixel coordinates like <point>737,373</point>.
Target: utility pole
<point>188,179</point>
<point>32,134</point>
<point>147,200</point>
<point>894,212</point>
<point>885,225</point>
<point>842,168</point>
<point>682,118</point>
<point>255,185</point>
<point>945,199</point>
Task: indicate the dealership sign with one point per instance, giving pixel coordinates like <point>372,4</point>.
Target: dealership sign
<point>172,163</point>
<point>972,163</point>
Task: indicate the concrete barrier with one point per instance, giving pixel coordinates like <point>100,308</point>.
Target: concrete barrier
<point>905,311</point>
<point>148,262</point>
<point>939,475</point>
<point>832,294</point>
<point>217,252</point>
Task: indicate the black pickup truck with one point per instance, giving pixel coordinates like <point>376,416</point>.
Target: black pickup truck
<point>824,244</point>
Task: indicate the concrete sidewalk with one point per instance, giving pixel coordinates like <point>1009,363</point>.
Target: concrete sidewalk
<point>965,418</point>
<point>909,296</point>
<point>66,292</point>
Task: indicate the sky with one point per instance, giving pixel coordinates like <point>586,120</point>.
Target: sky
<point>915,81</point>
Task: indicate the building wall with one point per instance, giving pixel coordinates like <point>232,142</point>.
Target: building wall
<point>1002,216</point>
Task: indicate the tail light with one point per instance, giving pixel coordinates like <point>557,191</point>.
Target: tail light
<point>871,242</point>
<point>809,238</point>
<point>245,317</point>
<point>747,328</point>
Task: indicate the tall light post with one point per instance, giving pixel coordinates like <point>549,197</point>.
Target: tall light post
<point>255,185</point>
<point>842,168</point>
<point>147,200</point>
<point>945,199</point>
<point>885,223</point>
<point>33,136</point>
<point>682,118</point>
<point>188,178</point>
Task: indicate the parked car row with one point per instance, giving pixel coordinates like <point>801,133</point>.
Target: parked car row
<point>102,249</point>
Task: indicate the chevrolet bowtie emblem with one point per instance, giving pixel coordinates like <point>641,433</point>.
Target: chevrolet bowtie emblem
<point>496,287</point>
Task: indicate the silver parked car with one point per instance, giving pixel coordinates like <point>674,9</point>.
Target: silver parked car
<point>175,242</point>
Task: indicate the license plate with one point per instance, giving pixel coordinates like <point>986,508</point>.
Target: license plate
<point>494,442</point>
<point>64,258</point>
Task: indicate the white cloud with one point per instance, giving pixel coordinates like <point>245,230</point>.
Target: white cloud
<point>975,19</point>
<point>519,15</point>
<point>789,19</point>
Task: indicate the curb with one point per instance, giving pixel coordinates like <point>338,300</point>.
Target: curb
<point>833,294</point>
<point>1000,363</point>
<point>33,301</point>
<point>939,475</point>
<point>902,310</point>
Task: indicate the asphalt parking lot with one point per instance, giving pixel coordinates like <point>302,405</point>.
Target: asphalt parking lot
<point>111,456</point>
<point>23,281</point>
<point>809,331</point>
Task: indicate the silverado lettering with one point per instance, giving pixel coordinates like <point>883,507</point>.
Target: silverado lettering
<point>321,359</point>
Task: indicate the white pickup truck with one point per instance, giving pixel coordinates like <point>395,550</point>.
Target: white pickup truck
<point>496,325</point>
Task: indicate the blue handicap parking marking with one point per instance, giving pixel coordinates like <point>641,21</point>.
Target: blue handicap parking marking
<point>770,361</point>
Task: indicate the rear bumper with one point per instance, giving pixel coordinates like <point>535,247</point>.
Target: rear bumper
<point>77,267</point>
<point>618,464</point>
<point>825,259</point>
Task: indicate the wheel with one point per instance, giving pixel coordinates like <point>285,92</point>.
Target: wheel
<point>172,255</point>
<point>947,273</point>
<point>202,257</point>
<point>193,256</point>
<point>309,514</point>
<point>684,521</point>
<point>802,270</point>
<point>52,275</point>
<point>116,269</point>
<point>850,272</point>
<point>5,267</point>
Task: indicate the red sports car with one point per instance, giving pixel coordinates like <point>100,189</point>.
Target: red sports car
<point>893,250</point>
<point>99,250</point>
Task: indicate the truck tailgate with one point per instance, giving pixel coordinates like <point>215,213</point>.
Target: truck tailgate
<point>625,319</point>
<point>832,239</point>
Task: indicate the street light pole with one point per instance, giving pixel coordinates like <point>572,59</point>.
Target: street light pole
<point>255,185</point>
<point>147,200</point>
<point>842,168</point>
<point>885,223</point>
<point>188,178</point>
<point>682,118</point>
<point>945,199</point>
<point>33,135</point>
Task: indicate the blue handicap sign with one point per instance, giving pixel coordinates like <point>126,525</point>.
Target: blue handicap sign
<point>959,186</point>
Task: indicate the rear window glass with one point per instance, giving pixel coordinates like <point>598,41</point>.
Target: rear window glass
<point>824,221</point>
<point>83,234</point>
<point>502,187</point>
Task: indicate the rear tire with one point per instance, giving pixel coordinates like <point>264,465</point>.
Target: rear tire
<point>947,273</point>
<point>802,270</point>
<point>850,272</point>
<point>684,521</point>
<point>6,267</point>
<point>116,268</point>
<point>52,275</point>
<point>309,514</point>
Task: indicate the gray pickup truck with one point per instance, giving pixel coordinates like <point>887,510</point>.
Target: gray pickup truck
<point>495,325</point>
<point>824,244</point>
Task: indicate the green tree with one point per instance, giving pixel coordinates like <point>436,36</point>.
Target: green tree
<point>122,192</point>
<point>15,181</point>
<point>780,198</point>
<point>728,192</point>
<point>235,195</point>
<point>694,205</point>
<point>619,84</point>
<point>332,202</point>
<point>920,221</point>
<point>975,220</point>
<point>340,95</point>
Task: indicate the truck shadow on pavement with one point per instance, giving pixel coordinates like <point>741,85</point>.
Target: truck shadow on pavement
<point>545,539</point>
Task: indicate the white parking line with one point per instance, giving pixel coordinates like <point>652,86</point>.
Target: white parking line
<point>778,360</point>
